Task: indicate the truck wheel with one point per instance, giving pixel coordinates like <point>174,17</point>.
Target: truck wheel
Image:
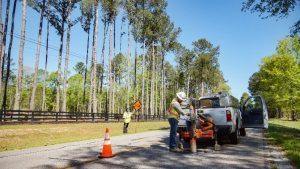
<point>242,132</point>
<point>234,137</point>
<point>219,138</point>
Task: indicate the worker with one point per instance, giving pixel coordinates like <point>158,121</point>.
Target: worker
<point>127,118</point>
<point>174,112</point>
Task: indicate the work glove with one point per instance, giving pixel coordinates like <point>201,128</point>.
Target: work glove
<point>188,114</point>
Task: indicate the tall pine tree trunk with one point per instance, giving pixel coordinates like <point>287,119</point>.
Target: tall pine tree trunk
<point>147,95</point>
<point>59,68</point>
<point>128,65</point>
<point>9,56</point>
<point>188,87</point>
<point>135,73</point>
<point>143,79</point>
<point>110,67</point>
<point>113,95</point>
<point>91,86</point>
<point>93,64</point>
<point>152,82</point>
<point>44,105</point>
<point>102,63</point>
<point>102,55</point>
<point>37,59</point>
<point>95,45</point>
<point>162,83</point>
<point>85,71</point>
<point>114,76</point>
<point>20,62</point>
<point>121,34</point>
<point>156,91</point>
<point>3,44</point>
<point>64,105</point>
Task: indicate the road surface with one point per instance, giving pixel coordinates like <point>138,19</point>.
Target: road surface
<point>148,150</point>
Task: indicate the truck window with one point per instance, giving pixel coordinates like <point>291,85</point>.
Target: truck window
<point>254,105</point>
<point>210,103</point>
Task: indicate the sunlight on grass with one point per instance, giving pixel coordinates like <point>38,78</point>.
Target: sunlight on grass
<point>287,135</point>
<point>13,137</point>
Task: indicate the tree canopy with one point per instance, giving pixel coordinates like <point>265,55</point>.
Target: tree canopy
<point>278,79</point>
<point>273,8</point>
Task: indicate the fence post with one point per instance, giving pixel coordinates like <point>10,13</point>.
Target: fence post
<point>32,116</point>
<point>1,114</point>
<point>76,116</point>
<point>56,117</point>
<point>106,116</point>
<point>93,117</point>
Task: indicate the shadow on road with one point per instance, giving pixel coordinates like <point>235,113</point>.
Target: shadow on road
<point>248,154</point>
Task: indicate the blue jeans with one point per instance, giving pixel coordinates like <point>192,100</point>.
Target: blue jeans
<point>173,132</point>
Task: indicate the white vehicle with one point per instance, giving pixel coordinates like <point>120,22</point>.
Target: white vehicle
<point>230,120</point>
<point>224,109</point>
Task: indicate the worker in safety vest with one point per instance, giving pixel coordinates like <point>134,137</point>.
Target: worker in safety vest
<point>127,118</point>
<point>174,112</point>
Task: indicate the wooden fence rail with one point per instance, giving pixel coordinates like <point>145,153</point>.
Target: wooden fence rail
<point>28,116</point>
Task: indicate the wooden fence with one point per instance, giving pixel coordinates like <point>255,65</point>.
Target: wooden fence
<point>27,116</point>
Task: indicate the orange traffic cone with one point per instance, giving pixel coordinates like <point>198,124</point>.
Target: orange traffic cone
<point>106,150</point>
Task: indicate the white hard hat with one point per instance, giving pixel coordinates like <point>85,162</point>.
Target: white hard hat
<point>181,96</point>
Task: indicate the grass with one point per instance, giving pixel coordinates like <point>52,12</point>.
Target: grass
<point>15,137</point>
<point>286,134</point>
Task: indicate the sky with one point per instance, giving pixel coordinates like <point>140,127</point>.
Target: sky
<point>244,38</point>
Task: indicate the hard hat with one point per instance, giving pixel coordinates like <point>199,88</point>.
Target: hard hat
<point>181,96</point>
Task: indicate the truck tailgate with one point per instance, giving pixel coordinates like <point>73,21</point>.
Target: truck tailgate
<point>218,114</point>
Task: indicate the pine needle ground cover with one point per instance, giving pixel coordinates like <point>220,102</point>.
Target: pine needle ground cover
<point>286,134</point>
<point>14,137</point>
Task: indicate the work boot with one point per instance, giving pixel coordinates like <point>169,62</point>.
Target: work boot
<point>175,150</point>
<point>180,146</point>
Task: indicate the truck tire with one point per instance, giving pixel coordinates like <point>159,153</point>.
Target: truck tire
<point>242,132</point>
<point>219,138</point>
<point>234,137</point>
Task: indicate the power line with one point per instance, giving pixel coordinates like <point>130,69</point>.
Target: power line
<point>49,47</point>
<point>71,60</point>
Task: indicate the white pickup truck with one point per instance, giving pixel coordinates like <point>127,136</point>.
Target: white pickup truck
<point>229,117</point>
<point>224,109</point>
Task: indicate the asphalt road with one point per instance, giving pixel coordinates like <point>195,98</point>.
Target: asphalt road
<point>148,150</point>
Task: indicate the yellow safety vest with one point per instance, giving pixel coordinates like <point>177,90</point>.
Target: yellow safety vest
<point>127,117</point>
<point>172,111</point>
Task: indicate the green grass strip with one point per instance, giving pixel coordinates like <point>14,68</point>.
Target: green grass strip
<point>286,134</point>
<point>15,137</point>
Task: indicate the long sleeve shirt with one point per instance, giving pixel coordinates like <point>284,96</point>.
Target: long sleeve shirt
<point>175,109</point>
